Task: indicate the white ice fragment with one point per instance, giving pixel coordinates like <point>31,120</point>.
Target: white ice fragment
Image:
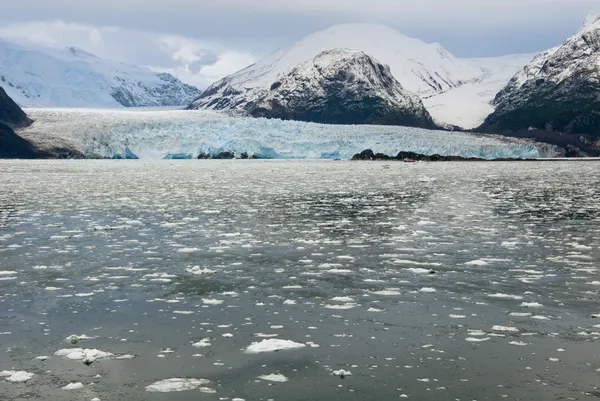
<point>272,345</point>
<point>504,296</point>
<point>78,337</point>
<point>279,378</point>
<point>477,262</point>
<point>82,353</point>
<point>176,384</point>
<point>73,386</point>
<point>531,305</point>
<point>16,376</point>
<point>427,289</point>
<point>212,301</point>
<point>205,342</point>
<point>341,373</point>
<point>196,270</point>
<point>340,307</point>
<point>518,343</point>
<point>505,328</point>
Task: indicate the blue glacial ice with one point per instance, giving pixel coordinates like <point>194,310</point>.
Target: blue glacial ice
<point>159,134</point>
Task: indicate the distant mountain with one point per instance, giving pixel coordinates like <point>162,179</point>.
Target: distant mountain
<point>558,91</point>
<point>341,87</point>
<point>43,77</point>
<point>427,70</point>
<point>11,116</point>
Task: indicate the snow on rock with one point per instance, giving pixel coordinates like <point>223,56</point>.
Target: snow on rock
<point>272,345</point>
<point>16,376</point>
<point>274,378</point>
<point>332,87</point>
<point>73,386</point>
<point>455,91</point>
<point>176,384</point>
<point>83,353</point>
<point>43,77</point>
<point>156,134</point>
<point>557,91</point>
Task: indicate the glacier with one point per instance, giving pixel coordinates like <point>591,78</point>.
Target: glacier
<point>160,134</point>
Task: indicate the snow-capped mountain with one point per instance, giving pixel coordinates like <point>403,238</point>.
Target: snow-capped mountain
<point>427,70</point>
<point>558,91</point>
<point>43,77</point>
<point>341,86</point>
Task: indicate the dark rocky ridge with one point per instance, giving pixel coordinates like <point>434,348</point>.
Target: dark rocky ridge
<point>11,116</point>
<point>368,154</point>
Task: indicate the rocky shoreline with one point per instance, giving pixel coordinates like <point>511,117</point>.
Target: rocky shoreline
<point>368,154</point>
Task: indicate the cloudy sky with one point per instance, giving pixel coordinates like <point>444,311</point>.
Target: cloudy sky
<point>201,41</point>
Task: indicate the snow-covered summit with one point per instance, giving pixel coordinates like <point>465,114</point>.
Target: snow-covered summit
<point>42,77</point>
<point>340,86</point>
<point>426,69</point>
<point>420,67</point>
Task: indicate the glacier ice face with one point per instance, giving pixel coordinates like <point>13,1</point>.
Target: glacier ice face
<point>152,134</point>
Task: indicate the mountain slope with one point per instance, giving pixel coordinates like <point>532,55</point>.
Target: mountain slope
<point>558,91</point>
<point>42,77</point>
<point>341,87</point>
<point>425,69</point>
<point>11,116</point>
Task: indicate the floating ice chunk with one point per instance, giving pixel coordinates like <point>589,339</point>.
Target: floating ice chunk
<point>418,270</point>
<point>82,353</point>
<point>126,356</point>
<point>272,345</point>
<point>7,272</point>
<point>452,316</point>
<point>519,343</point>
<point>478,262</point>
<point>73,386</point>
<point>42,357</point>
<point>205,342</point>
<point>227,335</point>
<point>387,292</point>
<point>263,335</point>
<point>176,384</point>
<point>505,296</point>
<point>199,271</point>
<point>553,359</point>
<point>505,328</point>
<point>289,302</point>
<point>279,378</point>
<point>375,310</point>
<point>76,337</point>
<point>342,299</point>
<point>340,307</point>
<point>531,305</point>
<point>476,339</point>
<point>188,250</point>
<point>183,312</point>
<point>16,376</point>
<point>212,301</point>
<point>520,314</point>
<point>341,373</point>
<point>427,289</point>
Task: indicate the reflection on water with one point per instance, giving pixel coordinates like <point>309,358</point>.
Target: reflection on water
<point>427,281</point>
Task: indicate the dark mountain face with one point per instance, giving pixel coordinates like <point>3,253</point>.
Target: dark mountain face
<point>13,146</point>
<point>558,91</point>
<point>10,113</point>
<point>342,87</point>
<point>338,86</point>
<point>11,116</point>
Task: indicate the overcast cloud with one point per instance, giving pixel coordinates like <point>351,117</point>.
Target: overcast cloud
<point>203,40</point>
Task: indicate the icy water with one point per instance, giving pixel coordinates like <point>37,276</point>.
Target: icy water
<point>445,281</point>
